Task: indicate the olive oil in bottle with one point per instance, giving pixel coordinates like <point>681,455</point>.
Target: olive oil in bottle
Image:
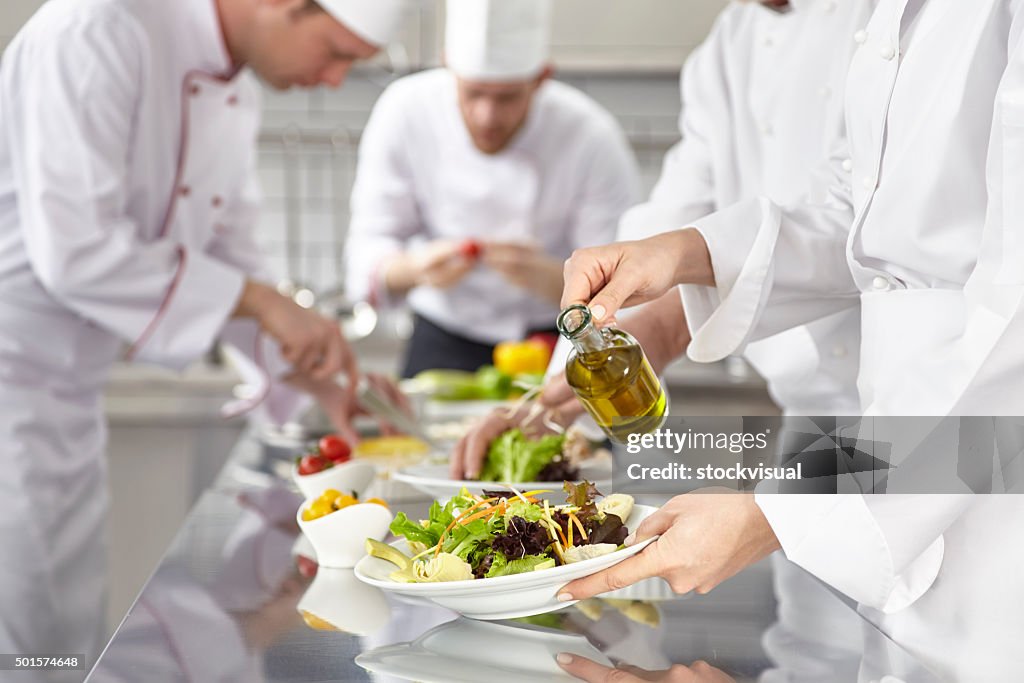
<point>611,376</point>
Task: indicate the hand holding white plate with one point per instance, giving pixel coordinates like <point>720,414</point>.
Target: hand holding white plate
<point>502,597</point>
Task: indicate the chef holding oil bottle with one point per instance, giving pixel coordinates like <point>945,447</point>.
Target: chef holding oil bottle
<point>932,253</point>
<point>885,553</point>
<point>779,129</point>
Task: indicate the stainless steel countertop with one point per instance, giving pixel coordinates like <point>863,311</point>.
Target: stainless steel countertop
<point>222,605</point>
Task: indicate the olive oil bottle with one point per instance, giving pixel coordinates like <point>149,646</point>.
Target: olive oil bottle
<point>610,373</point>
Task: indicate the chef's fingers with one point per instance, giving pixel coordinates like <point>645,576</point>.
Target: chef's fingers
<point>655,524</point>
<point>455,467</point>
<point>645,564</point>
<point>471,451</point>
<point>349,365</point>
<point>594,277</point>
<point>389,389</point>
<point>332,358</point>
<point>310,356</point>
<point>478,441</point>
<point>340,415</point>
<point>592,672</point>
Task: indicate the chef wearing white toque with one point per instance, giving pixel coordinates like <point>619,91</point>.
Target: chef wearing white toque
<point>475,182</point>
<point>375,21</point>
<point>127,201</point>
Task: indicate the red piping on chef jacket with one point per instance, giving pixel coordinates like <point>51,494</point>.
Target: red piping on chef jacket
<point>187,89</point>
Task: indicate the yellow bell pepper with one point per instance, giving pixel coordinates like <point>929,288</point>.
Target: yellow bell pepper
<point>514,358</point>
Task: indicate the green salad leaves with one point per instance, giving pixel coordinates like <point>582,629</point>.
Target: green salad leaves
<point>504,533</point>
<point>514,459</point>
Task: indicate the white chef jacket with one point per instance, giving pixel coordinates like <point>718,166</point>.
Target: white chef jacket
<point>933,107</point>
<point>126,160</point>
<point>562,183</point>
<point>762,104</point>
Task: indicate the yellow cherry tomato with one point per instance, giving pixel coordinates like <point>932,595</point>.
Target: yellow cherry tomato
<point>514,358</point>
<point>330,494</point>
<point>319,508</point>
<point>376,501</point>
<point>343,501</point>
<point>307,515</point>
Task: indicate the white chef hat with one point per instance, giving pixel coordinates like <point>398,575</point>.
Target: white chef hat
<point>375,21</point>
<point>497,40</point>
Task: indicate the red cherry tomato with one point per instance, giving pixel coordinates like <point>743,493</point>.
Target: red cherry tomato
<point>335,449</point>
<point>470,249</point>
<point>306,566</point>
<point>313,463</point>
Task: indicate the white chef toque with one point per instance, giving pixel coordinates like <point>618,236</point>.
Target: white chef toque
<point>375,21</point>
<point>497,40</point>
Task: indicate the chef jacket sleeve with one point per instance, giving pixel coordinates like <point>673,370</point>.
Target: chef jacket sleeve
<point>775,267</point>
<point>385,213</point>
<point>69,106</point>
<point>984,365</point>
<point>884,551</point>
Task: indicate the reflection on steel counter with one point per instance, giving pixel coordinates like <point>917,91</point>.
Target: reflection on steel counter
<point>230,600</point>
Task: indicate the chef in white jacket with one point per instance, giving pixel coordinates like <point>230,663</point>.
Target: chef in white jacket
<point>127,156</point>
<point>749,129</point>
<point>488,149</point>
<point>921,227</point>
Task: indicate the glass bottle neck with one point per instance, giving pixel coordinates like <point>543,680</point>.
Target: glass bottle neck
<point>576,325</point>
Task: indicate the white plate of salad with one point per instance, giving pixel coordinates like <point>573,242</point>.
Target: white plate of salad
<point>516,459</point>
<point>503,554</point>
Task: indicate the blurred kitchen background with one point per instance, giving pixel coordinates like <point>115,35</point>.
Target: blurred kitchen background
<point>167,440</point>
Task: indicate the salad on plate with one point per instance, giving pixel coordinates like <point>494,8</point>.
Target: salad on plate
<point>501,533</point>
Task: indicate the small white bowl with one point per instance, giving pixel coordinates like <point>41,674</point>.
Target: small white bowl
<point>339,539</point>
<point>347,477</point>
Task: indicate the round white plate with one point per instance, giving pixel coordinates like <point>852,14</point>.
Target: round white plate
<point>502,597</point>
<point>467,651</point>
<point>434,481</point>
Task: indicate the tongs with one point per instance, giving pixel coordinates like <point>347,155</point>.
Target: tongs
<point>381,406</point>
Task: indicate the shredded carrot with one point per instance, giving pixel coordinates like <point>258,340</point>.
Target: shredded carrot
<point>579,525</point>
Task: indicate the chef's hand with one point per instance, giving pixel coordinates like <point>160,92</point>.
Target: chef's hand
<point>311,343</point>
<point>441,264</point>
<point>704,538</point>
<point>592,672</point>
<point>630,273</point>
<point>556,402</point>
<point>341,407</point>
<point>526,265</point>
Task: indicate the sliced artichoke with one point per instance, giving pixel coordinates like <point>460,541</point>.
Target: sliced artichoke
<point>587,552</point>
<point>618,504</point>
<point>444,567</point>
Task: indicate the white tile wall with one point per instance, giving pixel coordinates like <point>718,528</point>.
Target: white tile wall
<point>308,156</point>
